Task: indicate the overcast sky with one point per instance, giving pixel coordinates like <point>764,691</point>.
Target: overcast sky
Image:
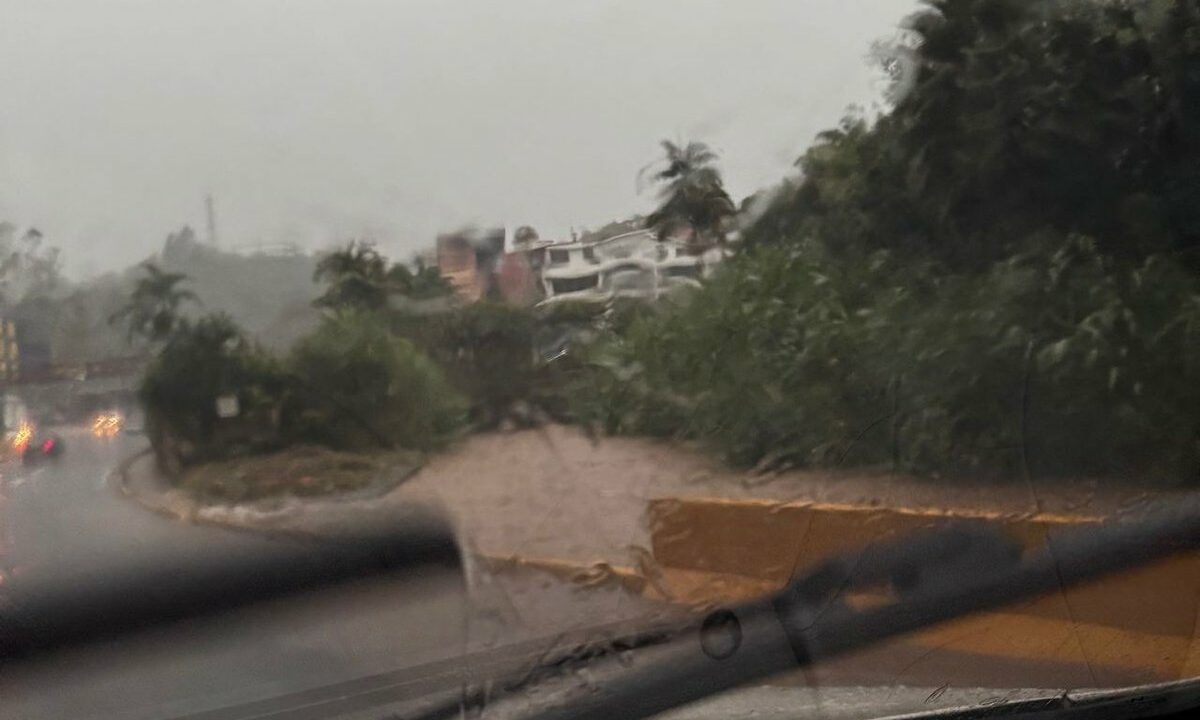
<point>316,120</point>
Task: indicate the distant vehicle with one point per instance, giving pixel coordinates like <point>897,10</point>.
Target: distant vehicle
<point>42,447</point>
<point>18,440</point>
<point>107,424</point>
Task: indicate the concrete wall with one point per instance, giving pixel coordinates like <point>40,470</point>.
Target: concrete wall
<point>1138,626</point>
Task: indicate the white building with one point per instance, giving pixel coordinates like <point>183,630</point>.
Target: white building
<point>633,264</point>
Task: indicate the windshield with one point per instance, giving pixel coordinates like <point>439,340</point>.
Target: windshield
<point>662,303</point>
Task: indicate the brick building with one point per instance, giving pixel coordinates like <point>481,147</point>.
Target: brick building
<point>481,265</point>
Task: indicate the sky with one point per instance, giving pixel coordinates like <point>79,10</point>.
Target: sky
<point>315,121</point>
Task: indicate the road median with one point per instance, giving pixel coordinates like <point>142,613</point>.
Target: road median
<point>139,479</point>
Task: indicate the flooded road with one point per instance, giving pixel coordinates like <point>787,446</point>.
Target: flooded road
<point>352,653</point>
<point>63,518</point>
<point>392,643</point>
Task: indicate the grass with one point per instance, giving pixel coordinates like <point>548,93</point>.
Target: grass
<point>299,471</point>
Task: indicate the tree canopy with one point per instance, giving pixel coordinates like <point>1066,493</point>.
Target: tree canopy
<point>358,277</point>
<point>1013,124</point>
<point>691,193</point>
<point>420,282</point>
<point>355,277</point>
<point>28,266</point>
<point>154,306</point>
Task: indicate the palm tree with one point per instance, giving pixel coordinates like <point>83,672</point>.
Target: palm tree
<point>421,282</point>
<point>691,194</point>
<point>153,310</point>
<point>357,277</point>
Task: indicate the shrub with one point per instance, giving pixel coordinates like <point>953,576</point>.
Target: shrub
<point>570,312</point>
<point>1056,362</point>
<point>358,384</point>
<point>486,350</point>
<point>199,362</point>
<point>1053,362</point>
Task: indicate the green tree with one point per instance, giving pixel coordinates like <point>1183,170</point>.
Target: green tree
<point>361,385</point>
<point>356,277</point>
<point>420,282</point>
<point>199,362</point>
<point>1013,123</point>
<point>154,308</point>
<point>691,194</point>
<point>28,268</point>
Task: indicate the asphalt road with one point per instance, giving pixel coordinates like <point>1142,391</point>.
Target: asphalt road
<point>64,517</point>
<point>365,650</point>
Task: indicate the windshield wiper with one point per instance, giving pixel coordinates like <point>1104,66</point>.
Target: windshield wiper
<point>928,578</point>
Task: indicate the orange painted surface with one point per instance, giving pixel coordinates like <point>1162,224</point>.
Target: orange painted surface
<point>1138,626</point>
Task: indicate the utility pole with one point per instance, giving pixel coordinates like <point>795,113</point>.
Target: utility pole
<point>211,216</point>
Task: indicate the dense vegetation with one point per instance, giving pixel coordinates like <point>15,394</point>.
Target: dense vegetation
<point>487,350</point>
<point>197,363</point>
<point>394,361</point>
<point>1052,362</point>
<point>1014,121</point>
<point>351,383</point>
<point>996,277</point>
<point>359,384</point>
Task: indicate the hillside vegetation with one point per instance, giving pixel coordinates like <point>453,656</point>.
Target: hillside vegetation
<point>996,277</point>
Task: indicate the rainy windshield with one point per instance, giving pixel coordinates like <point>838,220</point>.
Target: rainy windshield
<point>662,303</point>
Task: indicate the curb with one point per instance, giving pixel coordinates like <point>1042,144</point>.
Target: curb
<point>674,586</point>
<point>119,480</point>
<point>576,572</point>
<point>190,512</point>
<point>581,574</point>
<point>917,511</point>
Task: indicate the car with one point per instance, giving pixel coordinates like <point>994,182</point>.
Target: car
<point>42,447</point>
<point>107,424</point>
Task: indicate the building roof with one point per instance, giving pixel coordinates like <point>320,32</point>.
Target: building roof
<point>576,244</point>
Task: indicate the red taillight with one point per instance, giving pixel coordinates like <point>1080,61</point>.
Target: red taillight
<point>48,445</point>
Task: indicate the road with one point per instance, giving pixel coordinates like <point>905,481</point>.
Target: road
<point>367,646</point>
<point>367,651</point>
<point>65,517</point>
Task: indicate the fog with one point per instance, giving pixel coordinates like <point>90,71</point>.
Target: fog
<point>312,121</point>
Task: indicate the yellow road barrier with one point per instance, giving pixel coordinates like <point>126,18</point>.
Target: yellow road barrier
<point>1138,625</point>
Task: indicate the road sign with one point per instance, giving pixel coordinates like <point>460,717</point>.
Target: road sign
<point>227,406</point>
